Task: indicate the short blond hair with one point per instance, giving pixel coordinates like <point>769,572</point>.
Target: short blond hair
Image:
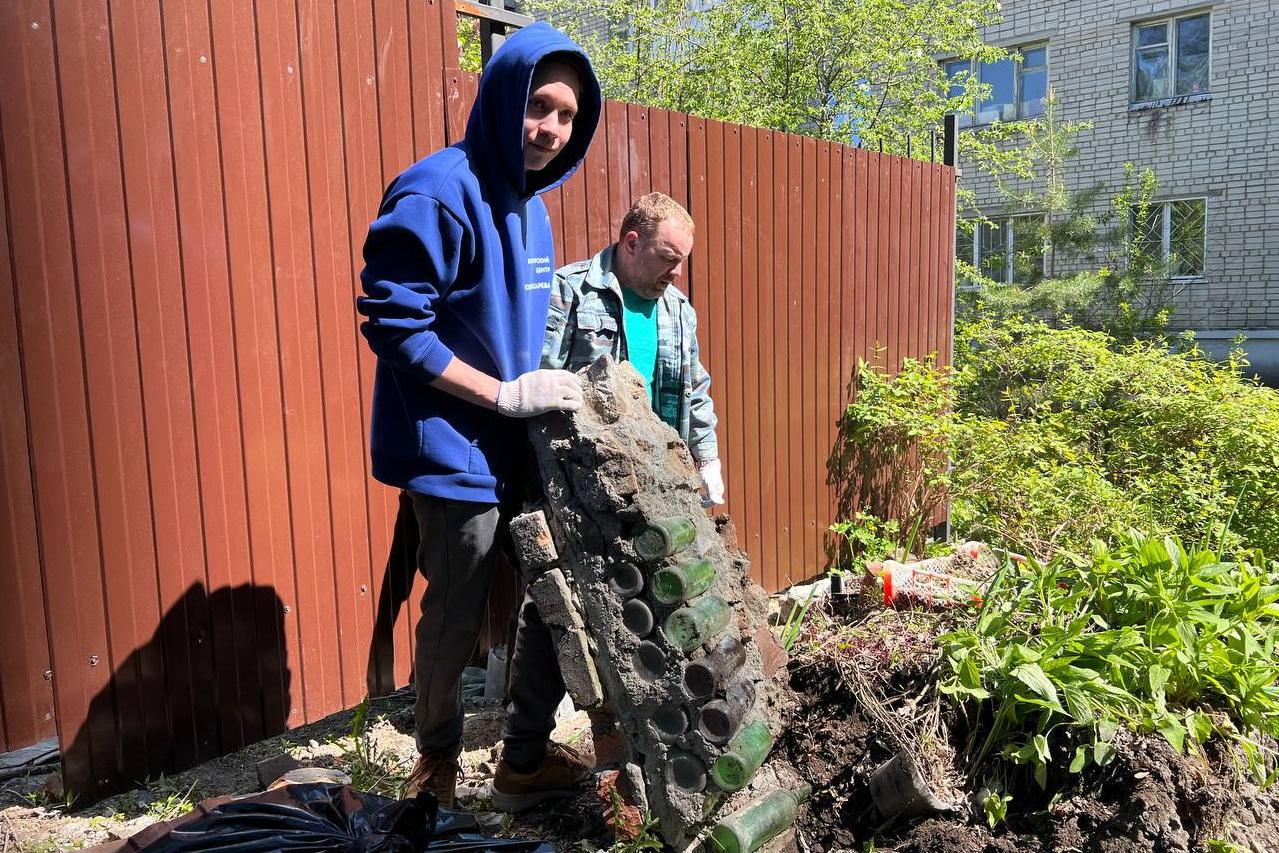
<point>649,211</point>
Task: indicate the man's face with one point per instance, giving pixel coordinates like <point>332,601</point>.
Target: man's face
<point>656,262</point>
<point>548,118</point>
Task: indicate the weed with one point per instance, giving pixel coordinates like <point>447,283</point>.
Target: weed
<point>795,620</point>
<point>43,798</point>
<point>171,800</point>
<point>994,803</point>
<point>1221,845</point>
<point>645,839</point>
<point>372,768</point>
<point>105,821</point>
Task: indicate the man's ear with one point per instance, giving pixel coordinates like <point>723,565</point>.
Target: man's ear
<point>630,241</point>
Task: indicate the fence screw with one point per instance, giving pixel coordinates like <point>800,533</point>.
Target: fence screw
<point>48,675</point>
<point>287,609</point>
<point>93,660</point>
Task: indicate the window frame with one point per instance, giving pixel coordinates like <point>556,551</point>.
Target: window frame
<point>1165,232</point>
<point>1169,21</point>
<point>1003,220</point>
<point>969,119</point>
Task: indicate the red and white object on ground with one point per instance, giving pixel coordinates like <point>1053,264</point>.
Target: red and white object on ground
<point>926,582</point>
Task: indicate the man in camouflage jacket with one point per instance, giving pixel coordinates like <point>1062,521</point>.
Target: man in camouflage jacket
<point>624,302</point>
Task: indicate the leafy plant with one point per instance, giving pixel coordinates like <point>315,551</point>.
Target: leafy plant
<point>1147,635</point>
<point>795,620</point>
<point>468,44</point>
<point>995,804</point>
<point>865,539</point>
<point>1079,258</point>
<point>1043,439</point>
<point>171,801</point>
<point>892,456</point>
<point>372,767</point>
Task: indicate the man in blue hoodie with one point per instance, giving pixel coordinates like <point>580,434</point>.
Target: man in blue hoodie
<point>457,278</point>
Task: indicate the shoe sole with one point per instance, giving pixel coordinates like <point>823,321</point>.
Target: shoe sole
<point>523,802</point>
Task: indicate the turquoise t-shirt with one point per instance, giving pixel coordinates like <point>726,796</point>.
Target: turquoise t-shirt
<point>639,317</point>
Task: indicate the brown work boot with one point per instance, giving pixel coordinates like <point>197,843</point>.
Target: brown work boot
<point>562,774</point>
<point>434,773</point>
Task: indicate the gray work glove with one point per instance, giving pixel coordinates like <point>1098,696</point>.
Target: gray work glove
<point>539,391</point>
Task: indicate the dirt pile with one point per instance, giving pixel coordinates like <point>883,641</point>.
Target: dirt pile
<point>1149,798</point>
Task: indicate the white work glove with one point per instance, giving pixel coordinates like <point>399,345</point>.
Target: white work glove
<point>539,391</point>
<point>713,480</point>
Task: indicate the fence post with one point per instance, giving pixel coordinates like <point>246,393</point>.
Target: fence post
<point>950,140</point>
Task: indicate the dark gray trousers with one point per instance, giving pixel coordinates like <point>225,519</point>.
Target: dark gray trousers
<point>459,545</point>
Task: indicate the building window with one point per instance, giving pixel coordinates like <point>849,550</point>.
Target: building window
<point>1008,249</point>
<point>1017,83</point>
<point>1175,232</point>
<point>1171,58</point>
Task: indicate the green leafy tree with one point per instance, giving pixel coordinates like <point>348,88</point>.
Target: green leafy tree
<point>840,71</point>
<point>468,44</point>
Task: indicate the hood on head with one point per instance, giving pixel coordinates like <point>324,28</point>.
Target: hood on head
<point>495,130</point>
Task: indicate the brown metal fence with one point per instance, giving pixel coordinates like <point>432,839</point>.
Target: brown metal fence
<point>192,554</point>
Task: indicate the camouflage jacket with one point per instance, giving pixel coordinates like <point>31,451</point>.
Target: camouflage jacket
<point>585,322</point>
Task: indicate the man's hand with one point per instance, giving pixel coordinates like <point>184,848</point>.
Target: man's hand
<point>713,480</point>
<point>538,392</point>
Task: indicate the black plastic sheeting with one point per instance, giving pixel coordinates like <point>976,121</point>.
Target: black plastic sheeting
<point>329,818</point>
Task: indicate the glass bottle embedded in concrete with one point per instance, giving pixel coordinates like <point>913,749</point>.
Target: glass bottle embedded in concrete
<point>673,584</point>
<point>697,622</point>
<point>706,675</point>
<point>746,752</point>
<point>663,537</point>
<point>720,719</point>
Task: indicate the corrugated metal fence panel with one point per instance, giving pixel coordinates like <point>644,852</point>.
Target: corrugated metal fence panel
<point>202,557</point>
<point>198,545</point>
<point>809,256</point>
<point>26,697</point>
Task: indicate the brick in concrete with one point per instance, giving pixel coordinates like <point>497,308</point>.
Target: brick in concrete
<point>581,679</point>
<point>555,601</point>
<point>534,547</point>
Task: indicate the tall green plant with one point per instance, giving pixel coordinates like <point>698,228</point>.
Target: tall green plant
<point>896,439</point>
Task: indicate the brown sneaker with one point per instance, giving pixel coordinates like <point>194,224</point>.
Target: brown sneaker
<point>434,773</point>
<point>562,774</point>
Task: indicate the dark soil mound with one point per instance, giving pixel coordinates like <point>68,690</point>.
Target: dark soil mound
<point>1149,798</point>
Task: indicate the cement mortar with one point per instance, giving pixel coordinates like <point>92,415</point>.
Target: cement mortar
<point>607,470</point>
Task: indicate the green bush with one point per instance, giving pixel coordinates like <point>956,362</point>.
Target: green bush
<point>1068,437</point>
<point>1057,437</point>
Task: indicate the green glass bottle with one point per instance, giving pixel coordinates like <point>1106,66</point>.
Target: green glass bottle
<point>748,829</point>
<point>664,537</point>
<point>746,752</point>
<point>673,584</point>
<point>697,622</point>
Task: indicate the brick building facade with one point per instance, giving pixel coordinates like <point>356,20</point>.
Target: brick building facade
<point>1190,91</point>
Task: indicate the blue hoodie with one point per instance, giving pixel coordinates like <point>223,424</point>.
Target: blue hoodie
<point>459,263</point>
